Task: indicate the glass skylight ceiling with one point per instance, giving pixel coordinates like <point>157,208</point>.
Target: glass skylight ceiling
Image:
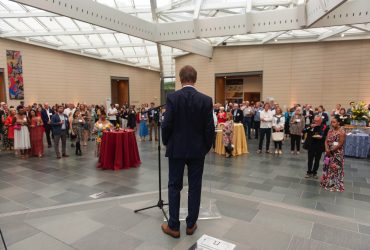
<point>27,24</point>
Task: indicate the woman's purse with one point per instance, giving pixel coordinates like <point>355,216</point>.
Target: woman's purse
<point>17,127</point>
<point>278,136</point>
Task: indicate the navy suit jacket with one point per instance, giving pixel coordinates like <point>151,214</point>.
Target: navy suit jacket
<point>44,116</point>
<point>188,128</point>
<point>55,124</point>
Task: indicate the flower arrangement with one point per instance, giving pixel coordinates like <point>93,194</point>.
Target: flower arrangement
<point>117,126</point>
<point>360,112</point>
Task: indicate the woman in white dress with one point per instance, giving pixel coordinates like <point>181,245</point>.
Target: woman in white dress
<point>22,142</point>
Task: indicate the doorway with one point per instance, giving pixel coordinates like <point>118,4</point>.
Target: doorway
<point>120,90</point>
<point>238,87</point>
<point>2,87</point>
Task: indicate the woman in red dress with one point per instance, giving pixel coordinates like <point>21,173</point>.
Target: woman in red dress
<point>221,116</point>
<point>9,126</point>
<point>36,134</point>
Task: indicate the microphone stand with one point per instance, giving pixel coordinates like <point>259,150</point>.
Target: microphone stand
<point>2,238</point>
<point>160,204</point>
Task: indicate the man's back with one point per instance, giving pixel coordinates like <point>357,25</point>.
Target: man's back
<point>188,127</point>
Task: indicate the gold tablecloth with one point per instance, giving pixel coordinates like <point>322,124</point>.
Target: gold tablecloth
<point>239,140</point>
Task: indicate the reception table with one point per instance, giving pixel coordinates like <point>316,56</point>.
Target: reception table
<point>118,150</point>
<point>357,145</point>
<point>239,140</point>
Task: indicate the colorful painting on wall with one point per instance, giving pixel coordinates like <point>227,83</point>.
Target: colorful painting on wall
<point>15,74</point>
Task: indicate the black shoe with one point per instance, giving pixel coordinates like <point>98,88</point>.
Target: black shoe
<point>49,146</point>
<point>72,145</point>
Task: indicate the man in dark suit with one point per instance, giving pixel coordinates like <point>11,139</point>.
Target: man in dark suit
<point>60,125</point>
<point>153,118</point>
<point>188,132</point>
<point>46,115</point>
<point>237,114</point>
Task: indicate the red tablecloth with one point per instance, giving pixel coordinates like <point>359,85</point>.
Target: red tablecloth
<point>118,150</point>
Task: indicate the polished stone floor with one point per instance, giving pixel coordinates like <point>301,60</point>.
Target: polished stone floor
<point>29,185</point>
<point>247,222</point>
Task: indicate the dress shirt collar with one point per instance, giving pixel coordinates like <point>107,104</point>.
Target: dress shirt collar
<point>186,86</point>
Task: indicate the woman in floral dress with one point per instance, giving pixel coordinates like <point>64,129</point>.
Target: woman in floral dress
<point>333,172</point>
<point>227,135</point>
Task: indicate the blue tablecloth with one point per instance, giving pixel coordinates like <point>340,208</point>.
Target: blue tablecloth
<point>357,145</point>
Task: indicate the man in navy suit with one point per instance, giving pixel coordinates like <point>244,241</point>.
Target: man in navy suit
<point>188,132</point>
<point>46,114</point>
<point>60,125</point>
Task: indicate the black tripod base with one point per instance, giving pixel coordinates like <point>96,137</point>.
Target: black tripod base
<point>160,205</point>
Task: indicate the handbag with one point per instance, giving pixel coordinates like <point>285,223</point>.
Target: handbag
<point>278,136</point>
<point>17,127</point>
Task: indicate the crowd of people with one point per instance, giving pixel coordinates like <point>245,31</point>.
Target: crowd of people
<point>318,130</point>
<point>22,129</point>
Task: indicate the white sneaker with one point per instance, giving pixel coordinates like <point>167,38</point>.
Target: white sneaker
<point>292,152</point>
<point>276,151</point>
<point>298,152</point>
<point>280,152</point>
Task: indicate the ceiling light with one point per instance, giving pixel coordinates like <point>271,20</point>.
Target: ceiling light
<point>275,40</point>
<point>342,35</point>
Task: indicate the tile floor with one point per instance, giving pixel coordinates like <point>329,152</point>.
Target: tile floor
<point>273,181</point>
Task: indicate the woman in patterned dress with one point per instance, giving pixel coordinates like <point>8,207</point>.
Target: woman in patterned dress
<point>227,135</point>
<point>333,172</point>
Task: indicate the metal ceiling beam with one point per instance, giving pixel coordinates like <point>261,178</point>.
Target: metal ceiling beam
<point>153,5</point>
<point>363,27</point>
<point>55,33</point>
<point>113,19</point>
<point>142,56</point>
<point>26,14</point>
<point>272,36</point>
<point>229,5</point>
<point>317,9</point>
<point>197,7</point>
<point>103,46</point>
<point>333,33</point>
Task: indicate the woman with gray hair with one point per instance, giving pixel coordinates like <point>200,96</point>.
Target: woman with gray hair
<point>297,124</point>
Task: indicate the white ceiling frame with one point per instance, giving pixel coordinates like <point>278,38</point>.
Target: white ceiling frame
<point>55,33</point>
<point>107,17</point>
<point>362,27</point>
<point>104,46</point>
<point>333,33</point>
<point>317,9</point>
<point>224,6</point>
<point>143,56</point>
<point>153,6</point>
<point>26,14</point>
<point>272,37</point>
<point>127,63</point>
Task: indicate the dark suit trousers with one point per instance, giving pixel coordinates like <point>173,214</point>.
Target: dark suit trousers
<point>175,184</point>
<point>314,156</point>
<point>47,132</point>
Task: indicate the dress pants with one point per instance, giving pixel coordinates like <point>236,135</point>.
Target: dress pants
<point>114,122</point>
<point>153,125</point>
<point>175,184</point>
<point>247,125</point>
<point>314,156</point>
<point>256,128</point>
<point>295,142</point>
<point>47,132</point>
<point>263,132</point>
<point>63,137</point>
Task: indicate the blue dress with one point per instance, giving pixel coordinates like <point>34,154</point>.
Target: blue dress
<point>143,125</point>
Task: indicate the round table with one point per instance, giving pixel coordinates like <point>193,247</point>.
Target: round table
<point>239,140</point>
<point>118,150</point>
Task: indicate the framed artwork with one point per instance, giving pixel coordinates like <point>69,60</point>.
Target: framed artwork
<point>15,74</point>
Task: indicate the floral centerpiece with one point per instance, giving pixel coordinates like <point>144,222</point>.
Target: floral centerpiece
<point>117,127</point>
<point>360,114</point>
